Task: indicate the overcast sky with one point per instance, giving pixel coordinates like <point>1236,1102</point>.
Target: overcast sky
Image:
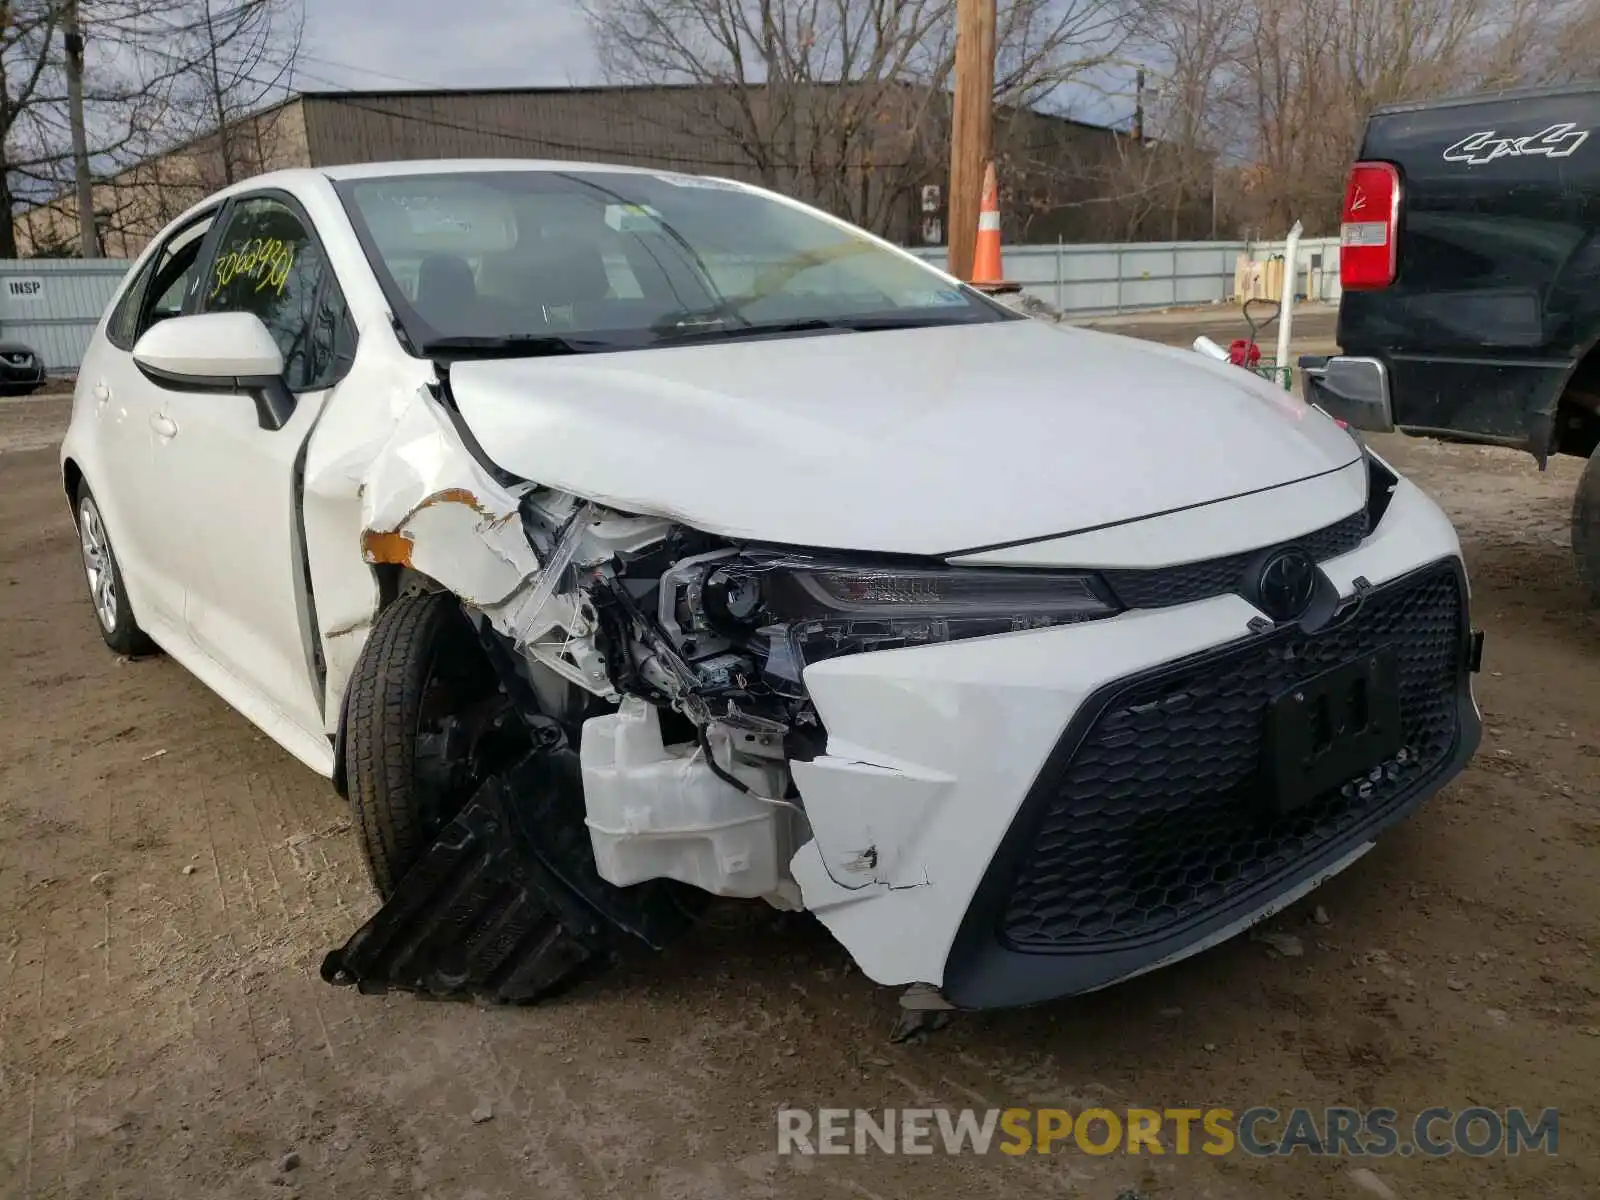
<point>383,44</point>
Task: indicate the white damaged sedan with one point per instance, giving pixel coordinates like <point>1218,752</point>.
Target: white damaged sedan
<point>615,538</point>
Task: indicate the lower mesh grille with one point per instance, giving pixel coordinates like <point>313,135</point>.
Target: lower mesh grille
<point>1154,820</point>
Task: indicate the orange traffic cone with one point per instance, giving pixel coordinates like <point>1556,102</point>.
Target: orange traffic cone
<point>988,273</point>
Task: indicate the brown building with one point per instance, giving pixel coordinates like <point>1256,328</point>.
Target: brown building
<point>876,154</point>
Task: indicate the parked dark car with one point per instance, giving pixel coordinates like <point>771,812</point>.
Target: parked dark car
<point>1470,263</point>
<point>21,369</point>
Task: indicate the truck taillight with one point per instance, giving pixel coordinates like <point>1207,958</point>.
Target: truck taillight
<point>1370,227</point>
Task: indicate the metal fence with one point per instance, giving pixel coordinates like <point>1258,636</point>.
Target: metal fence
<point>53,304</point>
<point>1093,280</point>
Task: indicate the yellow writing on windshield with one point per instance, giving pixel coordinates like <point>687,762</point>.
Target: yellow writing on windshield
<point>267,261</point>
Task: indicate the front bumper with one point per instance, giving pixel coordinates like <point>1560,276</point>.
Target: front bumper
<point>1034,816</point>
<point>1352,390</point>
<point>21,368</point>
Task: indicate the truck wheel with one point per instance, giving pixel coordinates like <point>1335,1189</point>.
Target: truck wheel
<point>1586,527</point>
<point>426,725</point>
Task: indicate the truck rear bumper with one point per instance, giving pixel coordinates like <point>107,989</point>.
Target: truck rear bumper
<point>1352,390</point>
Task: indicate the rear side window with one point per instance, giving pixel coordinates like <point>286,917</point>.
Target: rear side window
<point>123,328</point>
<point>267,263</point>
<point>161,286</point>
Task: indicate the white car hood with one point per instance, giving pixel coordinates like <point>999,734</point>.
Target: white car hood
<point>921,441</point>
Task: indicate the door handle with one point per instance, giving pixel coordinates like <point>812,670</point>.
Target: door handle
<point>101,392</point>
<point>164,426</point>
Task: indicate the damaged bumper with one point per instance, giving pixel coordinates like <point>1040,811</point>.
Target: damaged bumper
<point>1060,777</point>
<point>1033,816</point>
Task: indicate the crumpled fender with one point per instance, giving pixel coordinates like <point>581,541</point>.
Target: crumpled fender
<point>426,503</point>
<point>390,481</point>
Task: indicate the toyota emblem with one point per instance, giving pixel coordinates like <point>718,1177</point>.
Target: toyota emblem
<point>1286,585</point>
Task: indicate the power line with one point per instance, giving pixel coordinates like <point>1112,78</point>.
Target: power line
<point>344,66</point>
<point>533,140</point>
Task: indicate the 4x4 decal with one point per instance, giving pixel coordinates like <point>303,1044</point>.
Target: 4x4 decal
<point>1558,141</point>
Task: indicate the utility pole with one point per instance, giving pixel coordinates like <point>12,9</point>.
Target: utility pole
<point>88,240</point>
<point>1213,199</point>
<point>1138,105</point>
<point>971,133</point>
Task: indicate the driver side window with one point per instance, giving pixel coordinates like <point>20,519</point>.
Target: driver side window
<point>162,286</point>
<point>268,263</point>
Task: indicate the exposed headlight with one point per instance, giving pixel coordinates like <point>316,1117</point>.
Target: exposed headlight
<point>840,608</point>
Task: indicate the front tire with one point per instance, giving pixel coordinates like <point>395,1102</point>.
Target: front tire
<point>425,727</point>
<point>1586,527</point>
<point>107,593</point>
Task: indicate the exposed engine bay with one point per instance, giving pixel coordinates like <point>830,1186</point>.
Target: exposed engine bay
<point>700,645</point>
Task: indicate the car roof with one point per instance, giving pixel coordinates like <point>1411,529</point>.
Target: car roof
<point>447,166</point>
<point>302,180</point>
<point>299,179</point>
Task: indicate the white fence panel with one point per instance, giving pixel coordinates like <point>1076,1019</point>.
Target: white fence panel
<point>1093,280</point>
<point>54,304</point>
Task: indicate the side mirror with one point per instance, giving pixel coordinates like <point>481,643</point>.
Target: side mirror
<point>218,352</point>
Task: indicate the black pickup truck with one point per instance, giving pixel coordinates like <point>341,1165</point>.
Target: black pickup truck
<point>1470,268</point>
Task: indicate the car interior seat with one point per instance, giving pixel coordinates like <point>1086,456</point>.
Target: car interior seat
<point>448,299</point>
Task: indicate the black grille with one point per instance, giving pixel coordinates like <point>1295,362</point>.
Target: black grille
<point>1154,820</point>
<point>1161,587</point>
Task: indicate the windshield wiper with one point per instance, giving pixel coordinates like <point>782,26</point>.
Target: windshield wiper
<point>934,319</point>
<point>511,345</point>
<point>710,332</point>
<point>865,323</point>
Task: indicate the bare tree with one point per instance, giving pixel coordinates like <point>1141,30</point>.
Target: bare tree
<point>1304,75</point>
<point>122,106</point>
<point>232,59</point>
<point>843,103</point>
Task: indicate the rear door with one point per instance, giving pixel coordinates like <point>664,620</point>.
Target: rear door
<point>125,408</point>
<point>1494,294</point>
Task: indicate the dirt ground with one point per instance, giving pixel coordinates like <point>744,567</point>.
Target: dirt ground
<point>170,879</point>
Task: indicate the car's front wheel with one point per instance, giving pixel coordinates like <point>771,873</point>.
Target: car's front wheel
<point>427,724</point>
<point>472,823</point>
<point>107,593</point>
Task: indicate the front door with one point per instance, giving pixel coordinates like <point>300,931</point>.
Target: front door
<point>249,607</point>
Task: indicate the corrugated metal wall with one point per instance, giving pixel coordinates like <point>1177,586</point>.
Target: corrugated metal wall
<point>659,127</point>
<point>54,304</point>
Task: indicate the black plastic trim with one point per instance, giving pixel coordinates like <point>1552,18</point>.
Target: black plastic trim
<point>274,402</point>
<point>341,777</point>
<point>447,401</point>
<point>1167,512</point>
<point>983,972</point>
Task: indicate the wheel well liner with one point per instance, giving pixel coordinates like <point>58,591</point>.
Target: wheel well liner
<point>1578,410</point>
<point>71,477</point>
